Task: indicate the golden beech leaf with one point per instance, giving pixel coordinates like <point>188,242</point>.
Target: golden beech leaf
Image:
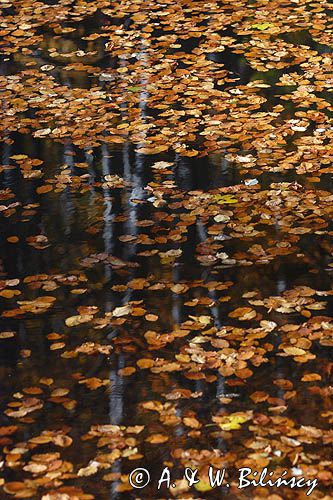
<point>78,320</point>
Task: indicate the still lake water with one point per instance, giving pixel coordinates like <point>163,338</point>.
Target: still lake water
<point>79,223</point>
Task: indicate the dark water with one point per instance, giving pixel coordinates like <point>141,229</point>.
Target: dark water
<point>81,222</point>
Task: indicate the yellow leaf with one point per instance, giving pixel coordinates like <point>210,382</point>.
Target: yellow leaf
<point>226,198</point>
<point>233,421</point>
<point>262,26</point>
<point>202,486</point>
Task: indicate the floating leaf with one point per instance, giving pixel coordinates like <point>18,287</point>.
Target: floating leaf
<point>78,320</point>
<point>262,26</point>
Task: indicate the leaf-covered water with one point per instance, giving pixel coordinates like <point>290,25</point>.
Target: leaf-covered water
<point>166,250</point>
